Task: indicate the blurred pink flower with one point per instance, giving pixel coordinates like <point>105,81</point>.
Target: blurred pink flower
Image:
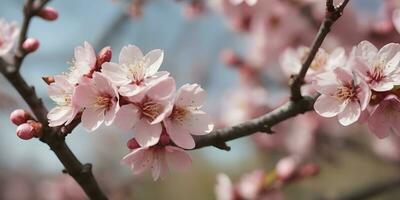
<point>186,117</point>
<point>146,114</point>
<point>100,99</point>
<point>380,69</point>
<point>9,33</point>
<point>135,72</point>
<point>342,94</point>
<point>388,148</point>
<point>61,92</point>
<point>158,158</point>
<point>385,118</point>
<point>82,64</point>
<point>396,19</point>
<point>249,2</point>
<point>292,60</point>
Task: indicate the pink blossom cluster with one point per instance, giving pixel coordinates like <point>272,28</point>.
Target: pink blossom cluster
<point>134,96</point>
<point>364,88</point>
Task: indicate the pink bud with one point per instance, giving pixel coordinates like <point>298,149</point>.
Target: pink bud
<point>19,117</point>
<point>132,144</point>
<point>103,56</point>
<point>286,167</point>
<point>48,13</point>
<point>25,131</point>
<point>164,139</point>
<point>30,45</point>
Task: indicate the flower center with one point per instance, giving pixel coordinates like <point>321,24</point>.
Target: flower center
<point>137,72</point>
<point>151,109</point>
<point>376,74</point>
<point>274,21</point>
<point>178,114</point>
<point>103,101</point>
<point>347,92</point>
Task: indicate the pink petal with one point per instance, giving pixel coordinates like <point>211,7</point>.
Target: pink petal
<point>166,112</point>
<point>190,95</point>
<point>364,96</point>
<point>147,134</point>
<point>85,95</point>
<point>163,89</point>
<point>159,166</point>
<point>177,158</point>
<point>328,106</point>
<point>325,83</point>
<point>103,85</point>
<point>140,159</point>
<point>382,86</point>
<point>127,116</point>
<point>111,113</point>
<point>134,92</point>
<point>290,62</point>
<point>396,19</point>
<point>130,55</point>
<point>350,114</point>
<point>343,74</point>
<point>85,55</point>
<point>179,135</point>
<point>366,51</point>
<point>388,52</point>
<point>336,59</point>
<point>378,122</point>
<point>199,123</point>
<point>154,60</point>
<point>92,118</point>
<point>59,115</point>
<point>115,73</point>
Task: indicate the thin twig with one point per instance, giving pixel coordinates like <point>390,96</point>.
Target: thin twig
<point>82,173</point>
<point>332,15</point>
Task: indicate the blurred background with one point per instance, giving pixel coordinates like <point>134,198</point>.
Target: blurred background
<point>234,52</point>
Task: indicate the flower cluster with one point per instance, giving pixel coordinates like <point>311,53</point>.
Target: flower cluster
<point>133,95</point>
<point>364,89</point>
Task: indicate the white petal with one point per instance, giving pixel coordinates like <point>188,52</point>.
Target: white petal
<point>350,114</point>
<point>177,158</point>
<point>328,106</point>
<point>190,95</point>
<point>153,59</point>
<point>118,74</point>
<point>92,118</point>
<point>179,135</point>
<point>199,123</point>
<point>126,117</point>
<point>147,134</point>
<point>130,54</point>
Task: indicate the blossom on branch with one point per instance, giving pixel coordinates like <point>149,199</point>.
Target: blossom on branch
<point>9,33</point>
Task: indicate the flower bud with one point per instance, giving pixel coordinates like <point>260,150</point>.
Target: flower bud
<point>30,45</point>
<point>48,13</point>
<point>37,127</point>
<point>164,138</point>
<point>132,144</point>
<point>19,117</point>
<point>25,131</point>
<point>103,56</point>
<point>286,168</point>
<point>48,79</point>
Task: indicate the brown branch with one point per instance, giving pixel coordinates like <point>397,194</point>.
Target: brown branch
<point>297,105</point>
<point>332,15</point>
<point>53,137</point>
<point>218,137</point>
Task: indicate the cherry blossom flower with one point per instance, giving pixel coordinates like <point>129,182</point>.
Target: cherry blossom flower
<point>158,158</point>
<point>100,99</point>
<point>8,37</point>
<point>249,2</point>
<point>380,69</point>
<point>292,60</point>
<point>250,187</point>
<point>61,92</point>
<point>84,61</point>
<point>186,117</point>
<point>384,119</point>
<point>342,94</point>
<point>135,73</point>
<point>146,114</point>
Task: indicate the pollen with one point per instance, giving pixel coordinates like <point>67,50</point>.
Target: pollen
<point>103,101</point>
<point>151,109</point>
<point>178,114</point>
<point>347,92</point>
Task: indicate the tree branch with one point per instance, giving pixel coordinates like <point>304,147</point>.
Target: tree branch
<point>332,15</point>
<point>53,137</point>
<point>297,105</point>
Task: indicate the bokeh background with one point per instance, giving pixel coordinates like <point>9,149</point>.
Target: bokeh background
<point>192,46</point>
